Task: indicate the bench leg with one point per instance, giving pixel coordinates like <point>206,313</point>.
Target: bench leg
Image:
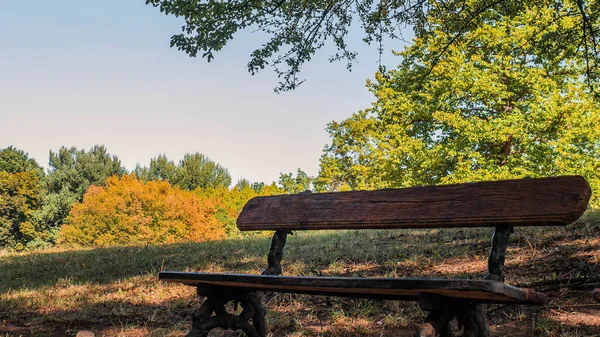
<point>436,322</point>
<point>251,320</point>
<point>471,317</point>
<point>498,253</point>
<point>474,322</point>
<point>276,253</point>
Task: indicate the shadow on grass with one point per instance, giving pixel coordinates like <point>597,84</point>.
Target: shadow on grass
<point>115,316</point>
<point>534,254</point>
<point>305,254</point>
<point>104,265</point>
<point>365,253</point>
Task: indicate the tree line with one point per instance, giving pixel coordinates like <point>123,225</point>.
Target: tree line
<point>87,198</point>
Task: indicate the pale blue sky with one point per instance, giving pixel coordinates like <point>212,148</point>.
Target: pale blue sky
<point>82,72</point>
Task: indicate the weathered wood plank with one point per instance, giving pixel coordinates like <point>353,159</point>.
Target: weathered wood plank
<point>379,288</point>
<point>525,202</point>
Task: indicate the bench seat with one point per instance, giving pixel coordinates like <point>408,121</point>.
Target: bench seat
<point>377,288</point>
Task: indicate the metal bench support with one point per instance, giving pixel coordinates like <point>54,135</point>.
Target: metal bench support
<point>471,316</point>
<point>276,253</point>
<point>498,253</point>
<point>251,320</point>
<point>442,310</point>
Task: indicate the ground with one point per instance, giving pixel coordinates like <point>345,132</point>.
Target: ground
<point>115,291</point>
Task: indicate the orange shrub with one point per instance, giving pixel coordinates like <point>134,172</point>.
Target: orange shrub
<point>130,211</point>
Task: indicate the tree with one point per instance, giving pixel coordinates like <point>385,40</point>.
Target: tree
<point>71,173</point>
<point>161,168</point>
<point>193,171</point>
<point>21,193</point>
<point>130,211</point>
<point>291,184</point>
<point>242,184</point>
<point>228,203</point>
<point>196,170</point>
<point>75,170</point>
<point>13,160</point>
<point>297,29</point>
<point>351,161</point>
<point>53,211</point>
<point>258,186</point>
<point>20,196</point>
<point>493,107</point>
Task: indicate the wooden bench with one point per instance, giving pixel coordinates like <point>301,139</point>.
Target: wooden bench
<point>502,204</point>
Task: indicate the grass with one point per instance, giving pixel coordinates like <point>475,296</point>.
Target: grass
<point>115,291</point>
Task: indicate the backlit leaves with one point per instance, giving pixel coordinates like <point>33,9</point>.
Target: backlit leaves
<point>296,29</point>
<point>490,107</point>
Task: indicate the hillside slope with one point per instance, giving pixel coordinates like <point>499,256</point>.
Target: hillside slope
<point>115,291</point>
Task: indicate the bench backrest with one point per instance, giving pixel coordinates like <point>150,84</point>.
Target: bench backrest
<point>524,202</point>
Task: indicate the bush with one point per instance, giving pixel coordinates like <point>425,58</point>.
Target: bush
<point>130,211</point>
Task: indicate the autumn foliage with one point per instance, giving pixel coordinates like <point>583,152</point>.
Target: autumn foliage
<point>20,195</point>
<point>229,203</point>
<point>131,211</point>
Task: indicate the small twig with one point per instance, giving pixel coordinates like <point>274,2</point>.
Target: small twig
<point>561,307</point>
<point>578,285</point>
<point>563,282</point>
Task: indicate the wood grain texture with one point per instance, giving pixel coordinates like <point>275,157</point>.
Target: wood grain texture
<point>377,288</point>
<point>524,202</point>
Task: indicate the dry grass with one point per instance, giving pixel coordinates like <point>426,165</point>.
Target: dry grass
<point>115,291</point>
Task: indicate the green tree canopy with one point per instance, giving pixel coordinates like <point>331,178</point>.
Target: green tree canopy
<point>242,184</point>
<point>195,170</point>
<point>161,168</point>
<point>493,107</point>
<point>228,203</point>
<point>300,183</point>
<point>75,170</point>
<point>296,29</point>
<point>71,173</point>
<point>13,160</point>
<point>255,186</point>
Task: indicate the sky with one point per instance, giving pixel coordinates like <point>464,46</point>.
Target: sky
<point>80,73</point>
